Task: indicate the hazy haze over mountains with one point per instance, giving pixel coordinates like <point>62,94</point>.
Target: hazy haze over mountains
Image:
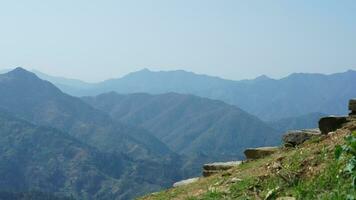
<point>142,142</point>
<point>111,100</point>
<point>269,99</point>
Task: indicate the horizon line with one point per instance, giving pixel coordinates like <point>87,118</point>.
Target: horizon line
<point>33,70</point>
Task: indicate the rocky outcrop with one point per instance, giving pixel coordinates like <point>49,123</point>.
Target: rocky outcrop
<point>352,107</point>
<point>214,168</point>
<point>186,182</point>
<point>298,137</point>
<point>331,123</point>
<point>261,152</point>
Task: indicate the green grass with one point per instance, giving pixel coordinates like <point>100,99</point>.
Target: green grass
<point>308,172</point>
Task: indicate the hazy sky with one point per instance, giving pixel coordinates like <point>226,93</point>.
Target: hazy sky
<point>98,39</point>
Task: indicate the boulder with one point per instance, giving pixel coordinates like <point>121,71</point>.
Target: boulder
<point>297,137</point>
<point>218,167</point>
<point>261,152</point>
<point>331,123</point>
<point>185,182</point>
<point>352,106</point>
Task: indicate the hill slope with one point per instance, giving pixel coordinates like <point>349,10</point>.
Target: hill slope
<point>34,158</point>
<point>189,124</point>
<point>308,172</point>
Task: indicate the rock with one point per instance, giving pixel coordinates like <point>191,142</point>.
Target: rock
<point>185,182</point>
<point>218,167</point>
<point>331,123</point>
<point>256,153</point>
<point>352,106</point>
<point>221,165</point>
<point>286,198</point>
<point>297,137</point>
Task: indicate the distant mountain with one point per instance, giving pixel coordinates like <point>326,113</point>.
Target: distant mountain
<point>308,121</point>
<point>61,80</point>
<point>178,81</point>
<point>2,71</point>
<point>27,97</point>
<point>70,86</point>
<point>269,99</point>
<point>40,102</point>
<point>189,124</point>
<point>34,158</point>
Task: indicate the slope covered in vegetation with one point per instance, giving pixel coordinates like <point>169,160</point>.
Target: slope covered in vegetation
<point>310,171</point>
<point>189,124</point>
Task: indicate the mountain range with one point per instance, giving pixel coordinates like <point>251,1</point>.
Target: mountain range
<point>150,140</point>
<point>189,124</point>
<point>159,129</point>
<point>113,146</point>
<point>269,99</point>
<point>28,98</point>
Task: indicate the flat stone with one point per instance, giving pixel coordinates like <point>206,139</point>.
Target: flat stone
<point>331,123</point>
<point>261,152</point>
<point>186,182</point>
<point>297,137</point>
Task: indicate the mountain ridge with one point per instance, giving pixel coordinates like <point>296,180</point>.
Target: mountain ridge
<point>266,98</point>
<point>185,122</point>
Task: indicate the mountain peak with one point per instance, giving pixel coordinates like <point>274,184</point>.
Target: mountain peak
<point>19,70</point>
<point>262,78</point>
<point>21,73</point>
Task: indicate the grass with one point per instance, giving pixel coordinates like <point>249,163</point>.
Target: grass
<point>307,172</point>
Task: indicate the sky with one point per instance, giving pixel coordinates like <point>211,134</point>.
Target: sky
<point>95,40</point>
